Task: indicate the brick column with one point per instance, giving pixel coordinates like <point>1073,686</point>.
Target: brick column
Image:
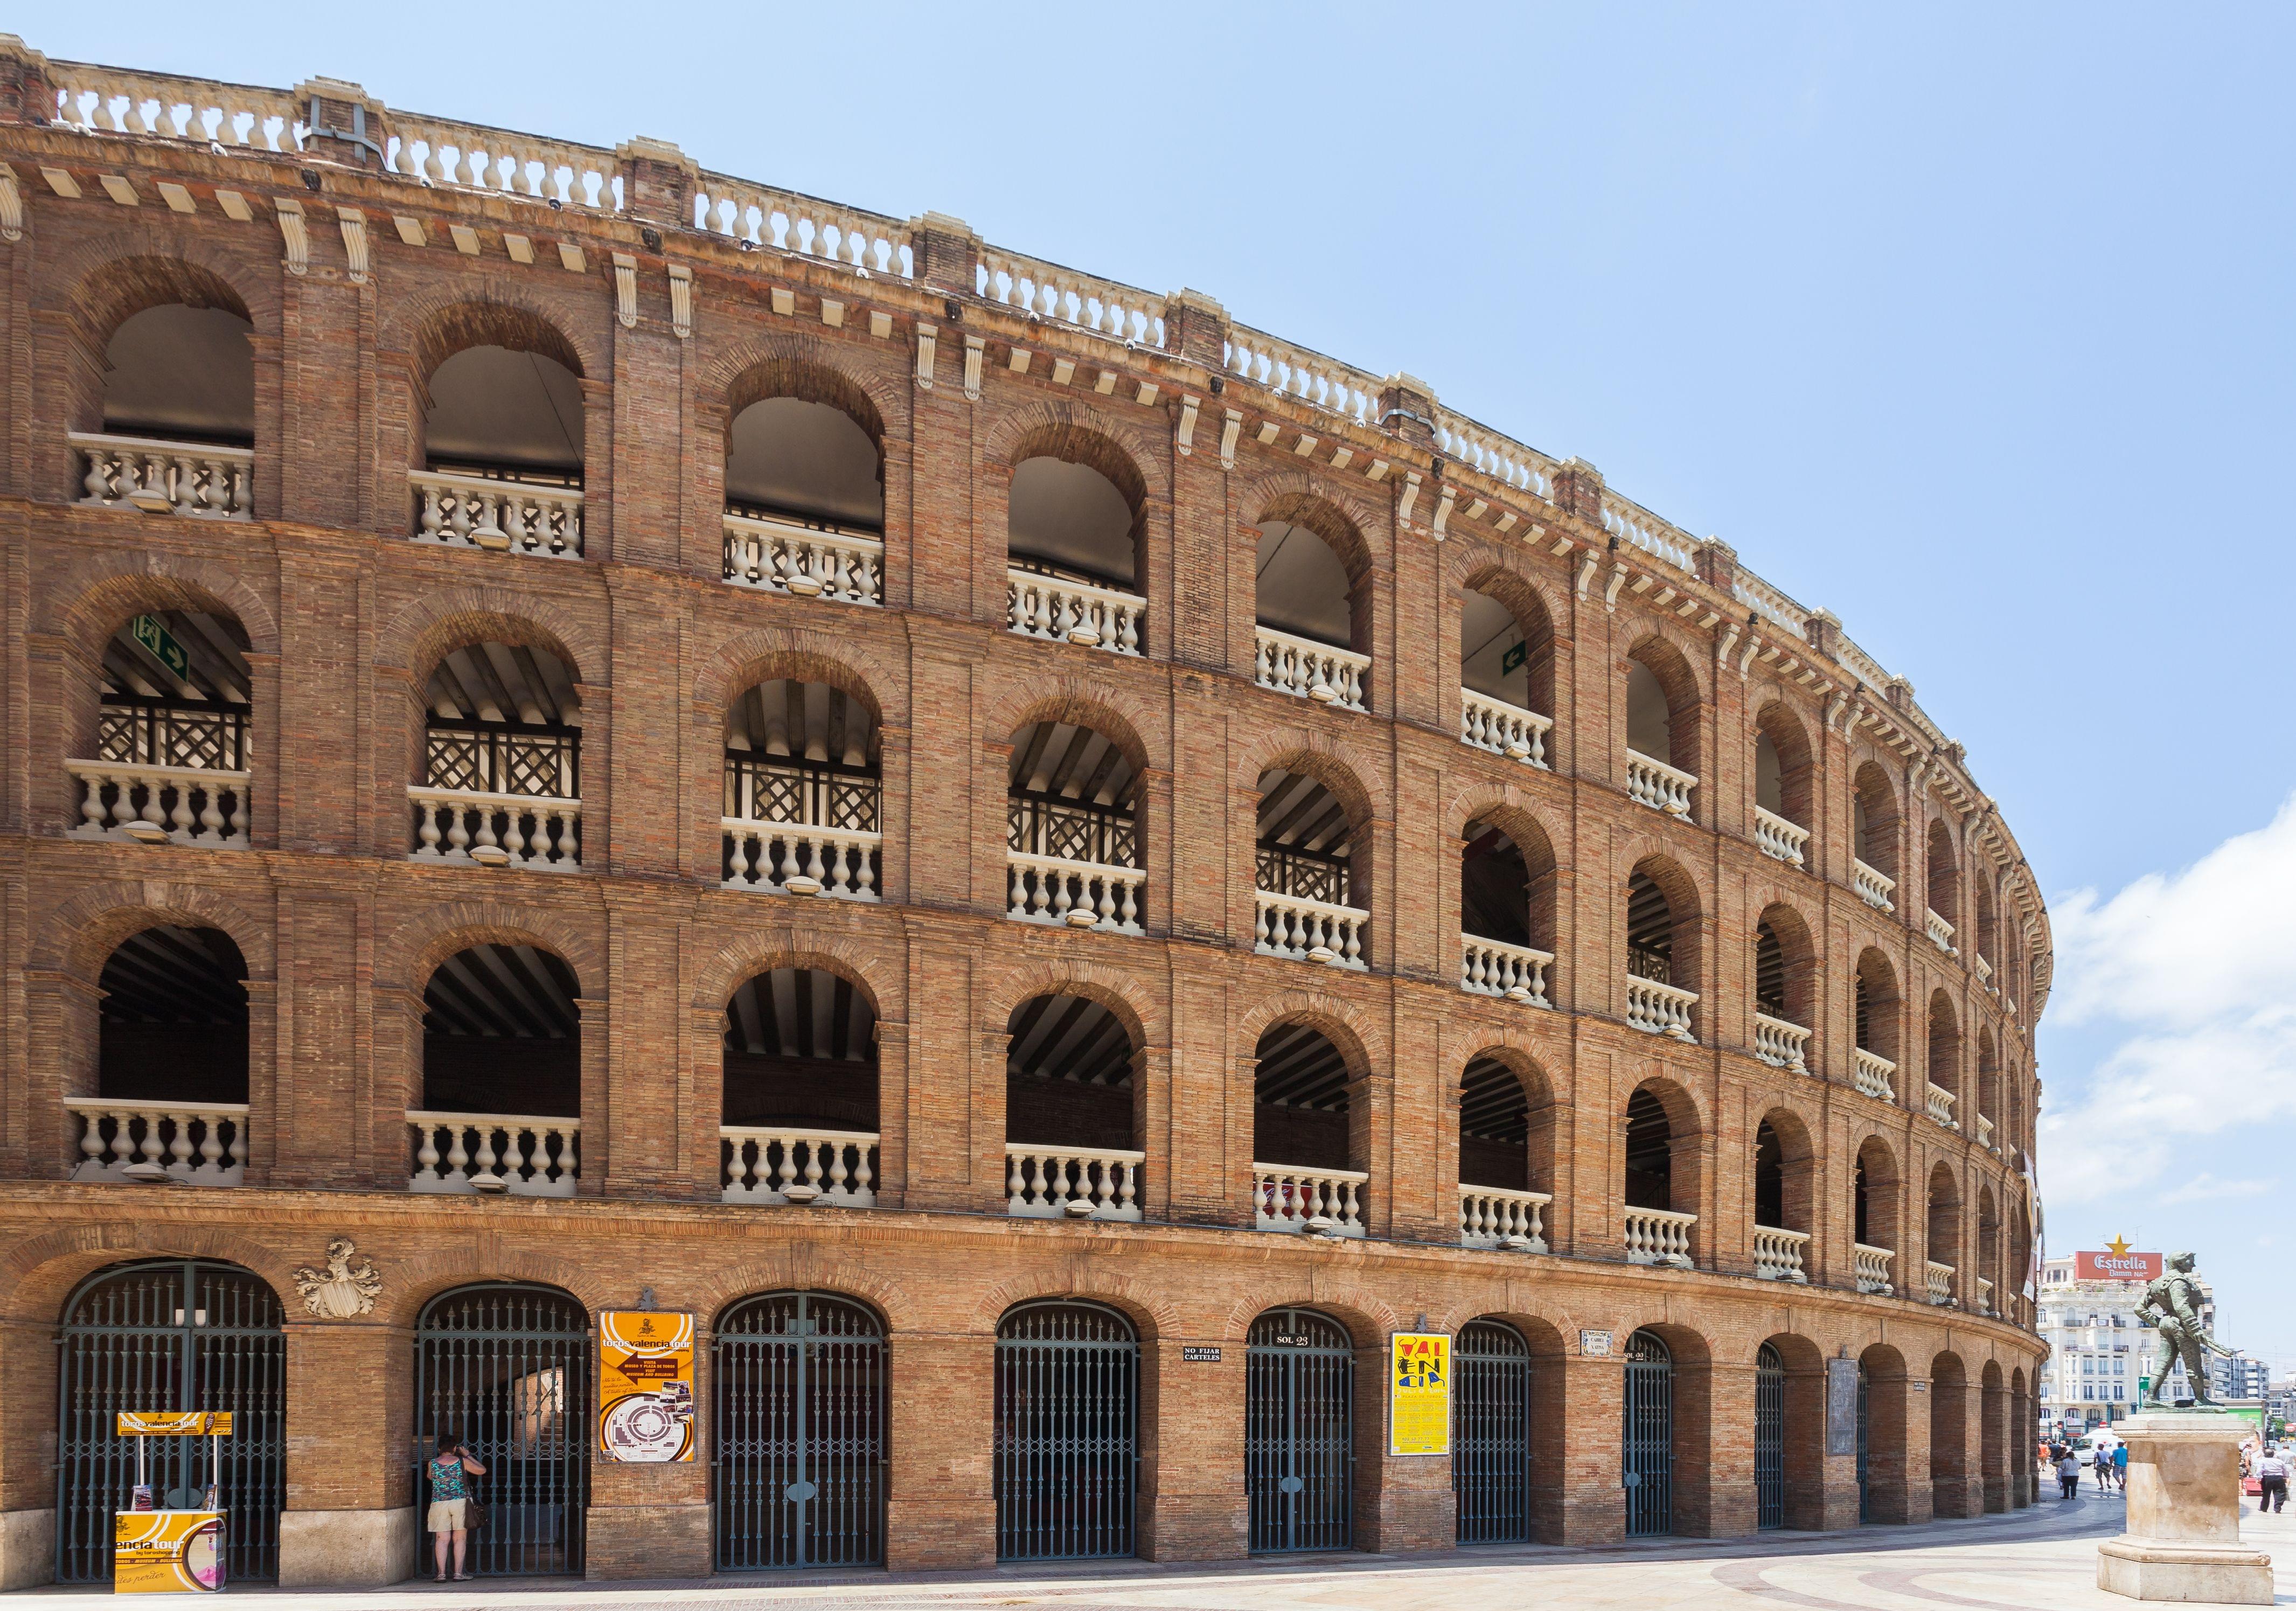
<point>941,1512</point>
<point>1192,1424</point>
<point>350,1519</point>
<point>1588,1505</point>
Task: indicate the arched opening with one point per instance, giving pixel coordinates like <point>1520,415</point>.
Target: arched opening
<point>1506,913</point>
<point>1313,892</point>
<point>1790,1425</point>
<point>1877,1016</point>
<point>1989,1091</point>
<point>1662,1170</point>
<point>1493,1468</point>
<point>1506,1156</point>
<point>1873,824</point>
<point>1944,886</point>
<point>1071,1096</point>
<point>502,1074</point>
<point>1786,981</point>
<point>799,1117</point>
<point>1072,829</point>
<point>798,1463</point>
<point>176,697</point>
<point>1647,1440</point>
<point>501,434</point>
<point>1784,1165</point>
<point>1300,1454</point>
<point>1067,1438</point>
<point>1506,672</point>
<point>1313,639</point>
<point>1782,784</point>
<point>171,1062</point>
<point>1949,1487</point>
<point>503,1367</point>
<point>804,792</point>
<point>1993,1440</point>
<point>1883,1488</point>
<point>1662,942</point>
<point>1944,1059</point>
<point>174,429</point>
<point>1873,1211</point>
<point>1942,1234</point>
<point>806,462</point>
<point>1769,1438</point>
<point>502,759</point>
<point>1987,1296</point>
<point>1073,560</point>
<point>170,1334</point>
<point>1988,939</point>
<point>1304,1140</point>
<point>1662,728</point>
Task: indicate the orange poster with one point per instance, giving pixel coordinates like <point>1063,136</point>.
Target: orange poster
<point>646,1386</point>
<point>167,1552</point>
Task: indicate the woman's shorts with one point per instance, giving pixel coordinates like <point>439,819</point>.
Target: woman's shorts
<point>445,1516</point>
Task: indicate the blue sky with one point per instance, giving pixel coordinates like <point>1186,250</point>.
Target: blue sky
<point>1971,324</point>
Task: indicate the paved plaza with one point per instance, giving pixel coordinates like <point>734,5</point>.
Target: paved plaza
<point>2040,1559</point>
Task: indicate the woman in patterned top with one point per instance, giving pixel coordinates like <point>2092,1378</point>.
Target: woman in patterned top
<point>450,1497</point>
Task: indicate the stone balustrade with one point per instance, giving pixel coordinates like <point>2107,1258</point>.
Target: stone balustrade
<point>165,478</point>
<point>1077,894</point>
<point>1985,1133</point>
<point>776,1164</point>
<point>197,1143</point>
<point>1939,1283</point>
<point>1940,1107</point>
<point>1307,930</point>
<point>794,859</point>
<point>536,832</point>
<point>1875,1075</point>
<point>1053,611</point>
<point>1778,1253</point>
<point>1322,1201</point>
<point>1658,1235</point>
<point>1308,670</point>
<point>1940,932</point>
<point>1873,887</point>
<point>1780,1044</point>
<point>1979,965</point>
<point>1659,1010</point>
<point>507,516</point>
<point>1658,785</point>
<point>804,562</point>
<point>143,804</point>
<point>459,1154</point>
<point>1983,1302</point>
<point>1071,1182</point>
<point>1492,967</point>
<point>1496,1216</point>
<point>91,99</point>
<point>1774,837</point>
<point>1501,728</point>
<point>1871,1267</point>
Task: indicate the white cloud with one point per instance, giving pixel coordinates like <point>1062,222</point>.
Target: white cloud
<point>2205,1188</point>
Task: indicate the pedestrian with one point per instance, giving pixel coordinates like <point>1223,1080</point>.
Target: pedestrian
<point>2272,1470</point>
<point>449,1471</point>
<point>2120,1465</point>
<point>2104,1465</point>
<point>2068,1476</point>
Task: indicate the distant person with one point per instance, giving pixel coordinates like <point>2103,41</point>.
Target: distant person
<point>2120,1467</point>
<point>449,1471</point>
<point>2272,1472</point>
<point>2104,1467</point>
<point>2068,1476</point>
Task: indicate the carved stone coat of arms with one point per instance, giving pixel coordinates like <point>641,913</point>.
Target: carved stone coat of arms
<point>339,1292</point>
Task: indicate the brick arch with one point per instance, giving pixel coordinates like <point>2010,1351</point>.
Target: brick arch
<point>800,653</point>
<point>1495,573</point>
<point>39,1273</point>
<point>1108,708</point>
<point>792,1269</point>
<point>787,364</point>
<point>1649,853</point>
<point>1152,1316</point>
<point>76,937</point>
<point>1117,988</point>
<point>1804,952</point>
<point>437,624</point>
<point>1778,719</point>
<point>1367,1317</point>
<point>1687,1344</point>
<point>1798,1132</point>
<point>98,593</point>
<point>110,278</point>
<point>1552,1336</point>
<point>1353,1032</point>
<point>1538,1086</point>
<point>499,310</point>
<point>409,1283</point>
<point>413,952</point>
<point>1333,762</point>
<point>743,957</point>
<point>1332,510</point>
<point>1686,1119</point>
<point>1083,436</point>
<point>1518,811</point>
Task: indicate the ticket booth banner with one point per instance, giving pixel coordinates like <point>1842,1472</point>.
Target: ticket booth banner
<point>175,1423</point>
<point>646,1386</point>
<point>167,1552</point>
<point>1419,1394</point>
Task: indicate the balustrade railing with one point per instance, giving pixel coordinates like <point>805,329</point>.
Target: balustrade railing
<point>1492,967</point>
<point>1983,1302</point>
<point>1078,894</point>
<point>781,221</point>
<point>1052,610</point>
<point>1940,930</point>
<point>1658,1235</point>
<point>1496,1216</point>
<point>165,478</point>
<point>1940,1286</point>
<point>468,825</point>
<point>1624,518</point>
<point>1774,835</point>
<point>776,1164</point>
<point>1041,824</point>
<point>197,1143</point>
<point>1940,1107</point>
<point>791,858</point>
<point>1876,1075</point>
<point>208,735</point>
<point>1871,1267</point>
<point>1321,1202</point>
<point>1071,1182</point>
<point>1659,1010</point>
<point>1985,1133</point>
<point>502,757</point>
<point>1979,965</point>
<point>1308,670</point>
<point>804,562</point>
<point>1501,728</point>
<point>1780,1044</point>
<point>1778,1253</point>
<point>762,788</point>
<point>1083,300</point>
<point>457,1155</point>
<point>512,516</point>
<point>1873,886</point>
<point>468,156</point>
<point>1322,382</point>
<point>1658,785</point>
<point>155,805</point>
<point>94,99</point>
<point>1496,454</point>
<point>1307,930</point>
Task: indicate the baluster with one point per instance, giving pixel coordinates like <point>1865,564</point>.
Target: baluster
<point>838,1176</point>
<point>151,810</point>
<point>786,1171</point>
<point>1129,915</point>
<point>426,1152</point>
<point>862,1174</point>
<point>458,1155</point>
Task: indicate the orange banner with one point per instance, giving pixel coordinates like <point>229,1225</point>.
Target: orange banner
<point>175,1423</point>
<point>646,1386</point>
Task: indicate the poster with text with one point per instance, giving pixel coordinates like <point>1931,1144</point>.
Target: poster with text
<point>646,1386</point>
<point>1419,1392</point>
<point>167,1552</point>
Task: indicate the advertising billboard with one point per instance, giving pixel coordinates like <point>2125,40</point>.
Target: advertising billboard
<point>167,1552</point>
<point>2122,1263</point>
<point>1419,1394</point>
<point>646,1386</point>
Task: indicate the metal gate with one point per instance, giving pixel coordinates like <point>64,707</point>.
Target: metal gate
<point>1067,1432</point>
<point>797,1475</point>
<point>178,1334</point>
<point>1769,1438</point>
<point>506,1370</point>
<point>1299,1445</point>
<point>1490,1434</point>
<point>1648,1437</point>
<point>1865,1423</point>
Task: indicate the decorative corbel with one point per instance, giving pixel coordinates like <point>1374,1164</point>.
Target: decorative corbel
<point>12,205</point>
<point>1227,439</point>
<point>1410,497</point>
<point>1729,641</point>
<point>1617,580</point>
<point>1443,510</point>
<point>291,230</point>
<point>1189,405</point>
<point>928,337</point>
<point>681,300</point>
<point>625,290</point>
<point>973,347</point>
<point>1753,647</point>
<point>1834,708</point>
<point>354,227</point>
<point>1586,572</point>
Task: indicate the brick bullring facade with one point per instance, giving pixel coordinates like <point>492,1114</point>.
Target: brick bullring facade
<point>622,738</point>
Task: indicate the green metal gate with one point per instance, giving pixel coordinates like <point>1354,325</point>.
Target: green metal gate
<point>174,1334</point>
<point>798,1473</point>
<point>1769,1438</point>
<point>1490,1434</point>
<point>1299,1442</point>
<point>1865,1422</point>
<point>505,1368</point>
<point>1647,1437</point>
<point>1067,1432</point>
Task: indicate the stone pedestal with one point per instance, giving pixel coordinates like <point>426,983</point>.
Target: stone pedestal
<point>2182,1541</point>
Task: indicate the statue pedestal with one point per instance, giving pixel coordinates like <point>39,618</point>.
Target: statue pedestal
<point>2182,1541</point>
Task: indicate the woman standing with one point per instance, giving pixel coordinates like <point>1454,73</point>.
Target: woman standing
<point>450,1502</point>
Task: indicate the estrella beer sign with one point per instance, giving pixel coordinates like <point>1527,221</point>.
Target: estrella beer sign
<point>646,1386</point>
<point>2117,1263</point>
<point>167,1552</point>
<point>1419,1392</point>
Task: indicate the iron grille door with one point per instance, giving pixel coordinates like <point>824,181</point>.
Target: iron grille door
<point>798,1477</point>
<point>1490,1435</point>
<point>1648,1437</point>
<point>1067,1432</point>
<point>1863,1435</point>
<point>506,1370</point>
<point>1769,1438</point>
<point>178,1335</point>
<point>1299,1433</point>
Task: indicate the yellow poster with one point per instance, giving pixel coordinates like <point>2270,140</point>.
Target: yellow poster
<point>1419,1394</point>
<point>167,1552</point>
<point>646,1386</point>
<point>175,1423</point>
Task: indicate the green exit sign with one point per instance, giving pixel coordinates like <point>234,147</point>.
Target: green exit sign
<point>147,630</point>
<point>1512,658</point>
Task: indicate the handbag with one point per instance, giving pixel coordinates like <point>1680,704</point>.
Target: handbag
<point>2252,1486</point>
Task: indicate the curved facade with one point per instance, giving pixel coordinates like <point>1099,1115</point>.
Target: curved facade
<point>619,738</point>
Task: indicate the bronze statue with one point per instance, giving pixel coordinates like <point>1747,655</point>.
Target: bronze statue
<point>2170,1306</point>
